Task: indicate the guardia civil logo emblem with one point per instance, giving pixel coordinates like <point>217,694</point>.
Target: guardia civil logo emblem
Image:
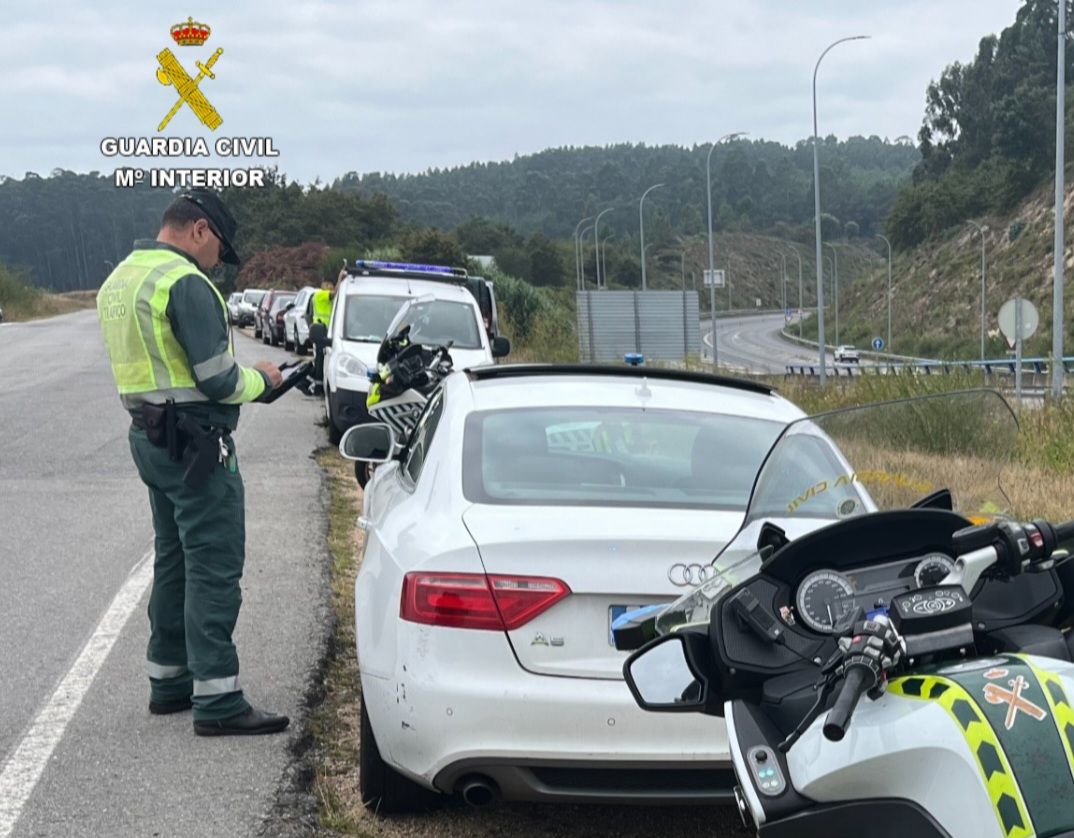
<point>171,72</point>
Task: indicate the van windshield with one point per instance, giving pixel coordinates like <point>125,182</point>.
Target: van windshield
<point>367,318</point>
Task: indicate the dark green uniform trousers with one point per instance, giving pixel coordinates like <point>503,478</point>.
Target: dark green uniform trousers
<point>200,547</point>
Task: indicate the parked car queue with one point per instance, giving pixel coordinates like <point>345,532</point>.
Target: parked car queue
<point>528,499</point>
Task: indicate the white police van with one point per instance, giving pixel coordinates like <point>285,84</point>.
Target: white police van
<point>464,313</point>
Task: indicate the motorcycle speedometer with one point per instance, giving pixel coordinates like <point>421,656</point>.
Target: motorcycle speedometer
<point>825,601</point>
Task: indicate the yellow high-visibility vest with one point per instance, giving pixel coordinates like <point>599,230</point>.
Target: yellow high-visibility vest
<point>148,362</point>
<point>322,306</point>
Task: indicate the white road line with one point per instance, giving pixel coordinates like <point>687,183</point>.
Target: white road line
<point>23,770</point>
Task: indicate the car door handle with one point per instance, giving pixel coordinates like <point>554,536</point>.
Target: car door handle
<point>363,523</point>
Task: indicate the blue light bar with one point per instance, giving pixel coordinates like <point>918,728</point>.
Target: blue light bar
<point>635,359</point>
<point>408,266</point>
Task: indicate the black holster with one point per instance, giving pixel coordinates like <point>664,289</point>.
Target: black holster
<point>202,450</point>
<point>161,428</point>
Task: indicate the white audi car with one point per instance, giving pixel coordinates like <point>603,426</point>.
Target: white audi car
<point>532,506</point>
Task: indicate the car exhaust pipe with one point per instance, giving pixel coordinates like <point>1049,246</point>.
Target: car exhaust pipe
<point>479,791</point>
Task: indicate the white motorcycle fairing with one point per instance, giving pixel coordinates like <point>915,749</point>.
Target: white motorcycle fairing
<point>940,738</point>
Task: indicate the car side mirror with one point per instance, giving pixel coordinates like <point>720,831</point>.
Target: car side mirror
<point>373,442</point>
<point>501,347</point>
<point>664,677</point>
<point>289,306</point>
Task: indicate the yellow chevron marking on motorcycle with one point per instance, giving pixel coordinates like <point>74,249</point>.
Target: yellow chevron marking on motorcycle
<point>1003,790</point>
<point>1062,712</point>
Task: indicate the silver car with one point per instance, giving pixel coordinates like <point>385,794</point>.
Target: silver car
<point>251,298</point>
<point>233,307</point>
<point>296,334</point>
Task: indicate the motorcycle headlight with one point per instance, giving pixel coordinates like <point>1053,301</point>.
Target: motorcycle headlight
<point>350,366</point>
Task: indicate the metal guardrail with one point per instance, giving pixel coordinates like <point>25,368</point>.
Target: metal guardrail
<point>998,366</point>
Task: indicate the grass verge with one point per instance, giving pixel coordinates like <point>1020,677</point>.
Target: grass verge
<point>334,724</point>
<point>21,301</point>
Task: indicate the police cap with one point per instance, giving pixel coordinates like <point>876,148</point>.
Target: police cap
<point>221,221</point>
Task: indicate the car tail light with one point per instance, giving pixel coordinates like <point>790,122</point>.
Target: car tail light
<point>279,319</point>
<point>477,600</point>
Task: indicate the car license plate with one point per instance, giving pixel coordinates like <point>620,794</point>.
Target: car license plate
<point>614,613</point>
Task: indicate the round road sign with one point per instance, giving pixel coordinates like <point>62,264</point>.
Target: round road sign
<point>1030,320</point>
<point>878,344</point>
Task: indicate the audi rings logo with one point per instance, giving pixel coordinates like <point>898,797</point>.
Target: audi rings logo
<point>690,575</point>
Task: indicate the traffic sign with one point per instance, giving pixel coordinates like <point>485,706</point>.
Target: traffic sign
<point>1007,320</point>
<point>878,344</point>
<point>714,278</point>
<point>789,315</point>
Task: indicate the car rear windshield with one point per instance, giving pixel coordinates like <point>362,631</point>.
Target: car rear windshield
<point>599,456</point>
<point>280,301</point>
<point>366,319</point>
<point>253,296</point>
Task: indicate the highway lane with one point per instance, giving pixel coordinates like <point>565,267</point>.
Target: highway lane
<point>754,344</point>
<point>74,522</point>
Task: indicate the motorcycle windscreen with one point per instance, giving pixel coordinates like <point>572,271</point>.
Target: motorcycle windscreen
<point>892,455</point>
<point>877,457</point>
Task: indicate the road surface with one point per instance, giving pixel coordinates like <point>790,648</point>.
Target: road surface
<point>79,753</point>
<point>753,343</point>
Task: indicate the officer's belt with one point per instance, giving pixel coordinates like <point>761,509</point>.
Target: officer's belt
<point>224,430</point>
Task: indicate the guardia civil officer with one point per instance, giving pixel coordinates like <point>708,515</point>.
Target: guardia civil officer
<point>166,331</point>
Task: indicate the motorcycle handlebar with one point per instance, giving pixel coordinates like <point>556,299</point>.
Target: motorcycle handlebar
<point>1064,532</point>
<point>855,685</point>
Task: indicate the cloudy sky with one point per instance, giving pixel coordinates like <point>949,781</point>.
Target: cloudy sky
<point>404,85</point>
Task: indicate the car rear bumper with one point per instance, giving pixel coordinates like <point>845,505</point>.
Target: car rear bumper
<point>460,705</point>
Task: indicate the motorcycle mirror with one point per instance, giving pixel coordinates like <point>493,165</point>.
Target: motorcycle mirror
<point>373,442</point>
<point>501,347</point>
<point>663,678</point>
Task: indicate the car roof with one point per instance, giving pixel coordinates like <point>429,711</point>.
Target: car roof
<point>505,386</point>
<point>404,287</point>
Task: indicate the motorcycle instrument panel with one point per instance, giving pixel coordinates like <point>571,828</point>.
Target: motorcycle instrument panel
<point>827,601</point>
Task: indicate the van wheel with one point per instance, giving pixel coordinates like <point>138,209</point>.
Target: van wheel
<point>383,790</point>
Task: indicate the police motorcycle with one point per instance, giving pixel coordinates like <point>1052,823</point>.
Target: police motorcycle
<point>890,659</point>
<point>411,362</point>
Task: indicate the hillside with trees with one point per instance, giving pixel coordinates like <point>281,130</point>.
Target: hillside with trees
<point>757,186</point>
<point>988,136</point>
<point>66,231</point>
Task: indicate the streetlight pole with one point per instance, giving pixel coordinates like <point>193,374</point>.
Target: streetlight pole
<point>980,231</point>
<point>641,225</point>
<point>831,277</point>
<point>816,209</point>
<point>708,193</point>
<point>888,243</point>
<point>578,253</point>
<point>783,280</point>
<point>604,257</point>
<point>835,288</point>
<point>596,241</point>
<point>1060,194</point>
<point>581,250</point>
